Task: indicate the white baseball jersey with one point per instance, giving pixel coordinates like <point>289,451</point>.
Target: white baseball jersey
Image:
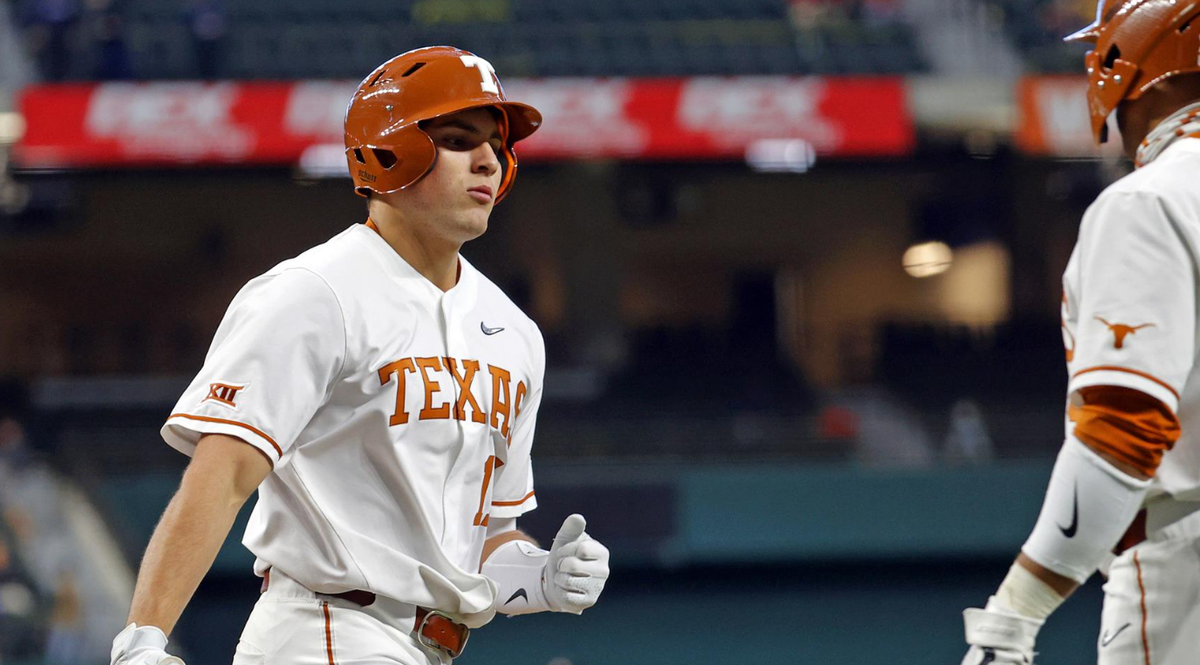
<point>397,418</point>
<point>1130,299</point>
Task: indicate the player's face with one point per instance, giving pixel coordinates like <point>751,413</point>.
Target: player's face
<point>454,200</point>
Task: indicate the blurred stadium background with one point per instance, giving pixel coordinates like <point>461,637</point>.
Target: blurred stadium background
<point>797,263</point>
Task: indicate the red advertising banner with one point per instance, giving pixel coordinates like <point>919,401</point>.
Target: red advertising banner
<point>1054,120</point>
<point>147,124</point>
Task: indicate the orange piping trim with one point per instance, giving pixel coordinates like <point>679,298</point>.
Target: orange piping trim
<point>513,503</point>
<point>1142,587</point>
<point>222,421</point>
<point>1114,368</point>
<point>328,633</point>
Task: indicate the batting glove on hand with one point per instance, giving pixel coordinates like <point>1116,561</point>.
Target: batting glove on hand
<point>576,569</point>
<point>145,645</point>
<point>999,638</point>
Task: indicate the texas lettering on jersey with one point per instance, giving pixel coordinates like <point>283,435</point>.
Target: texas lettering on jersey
<point>436,372</point>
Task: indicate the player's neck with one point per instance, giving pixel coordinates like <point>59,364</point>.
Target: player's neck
<point>435,258</point>
<point>1137,118</point>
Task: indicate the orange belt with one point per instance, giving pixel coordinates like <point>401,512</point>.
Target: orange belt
<point>438,631</point>
<point>434,629</point>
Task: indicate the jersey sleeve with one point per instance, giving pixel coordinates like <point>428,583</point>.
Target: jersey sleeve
<point>514,495</point>
<point>1136,299</point>
<point>271,365</point>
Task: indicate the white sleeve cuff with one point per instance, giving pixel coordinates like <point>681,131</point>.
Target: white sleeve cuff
<point>1109,375</point>
<point>182,432</point>
<point>514,508</point>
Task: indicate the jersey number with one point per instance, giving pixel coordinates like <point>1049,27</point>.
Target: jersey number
<point>492,463</point>
<point>486,72</point>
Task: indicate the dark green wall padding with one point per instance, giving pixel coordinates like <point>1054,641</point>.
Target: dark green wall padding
<point>760,563</point>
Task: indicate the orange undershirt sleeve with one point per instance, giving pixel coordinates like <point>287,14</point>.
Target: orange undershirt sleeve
<point>1128,424</point>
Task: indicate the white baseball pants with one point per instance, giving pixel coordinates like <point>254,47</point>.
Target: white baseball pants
<point>291,625</point>
<point>1152,600</point>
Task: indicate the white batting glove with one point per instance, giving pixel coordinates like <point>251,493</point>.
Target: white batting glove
<point>999,638</point>
<point>142,645</point>
<point>576,569</point>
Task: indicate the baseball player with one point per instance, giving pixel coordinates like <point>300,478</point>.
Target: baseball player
<point>380,394</point>
<point>1124,496</point>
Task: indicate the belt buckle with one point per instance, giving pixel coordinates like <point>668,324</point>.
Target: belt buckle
<point>434,644</point>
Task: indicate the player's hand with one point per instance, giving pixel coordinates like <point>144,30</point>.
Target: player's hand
<point>142,645</point>
<point>999,638</point>
<point>576,569</point>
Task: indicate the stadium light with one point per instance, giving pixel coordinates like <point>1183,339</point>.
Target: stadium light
<point>928,259</point>
<point>326,160</point>
<point>12,128</point>
<point>781,155</point>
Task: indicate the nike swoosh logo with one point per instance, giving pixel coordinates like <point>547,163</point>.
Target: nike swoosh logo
<point>1106,638</point>
<point>520,593</point>
<point>1069,531</point>
<point>489,331</point>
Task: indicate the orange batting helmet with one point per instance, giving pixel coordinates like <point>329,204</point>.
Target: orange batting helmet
<point>385,146</point>
<point>1137,44</point>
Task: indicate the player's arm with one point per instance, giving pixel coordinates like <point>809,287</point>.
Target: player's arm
<point>1152,442</point>
<point>1116,401</point>
<point>1122,409</point>
<point>274,357</point>
<point>571,574</point>
<point>501,531</point>
<point>1096,488</point>
<point>222,474</point>
<point>566,578</point>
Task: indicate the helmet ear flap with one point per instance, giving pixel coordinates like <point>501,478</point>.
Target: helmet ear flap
<point>410,155</point>
<point>386,158</point>
<point>508,171</point>
<point>1110,58</point>
<point>1110,80</point>
<point>364,169</point>
<point>415,156</point>
<point>508,157</point>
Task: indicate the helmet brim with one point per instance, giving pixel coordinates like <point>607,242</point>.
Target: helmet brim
<point>523,120</point>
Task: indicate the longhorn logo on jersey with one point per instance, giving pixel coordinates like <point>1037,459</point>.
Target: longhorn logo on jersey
<point>1120,330</point>
<point>224,393</point>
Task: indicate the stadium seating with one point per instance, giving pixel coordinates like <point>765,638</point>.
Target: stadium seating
<point>275,39</point>
<point>1037,28</point>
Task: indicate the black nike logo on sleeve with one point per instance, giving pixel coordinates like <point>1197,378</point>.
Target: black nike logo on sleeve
<point>520,593</point>
<point>1069,531</point>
